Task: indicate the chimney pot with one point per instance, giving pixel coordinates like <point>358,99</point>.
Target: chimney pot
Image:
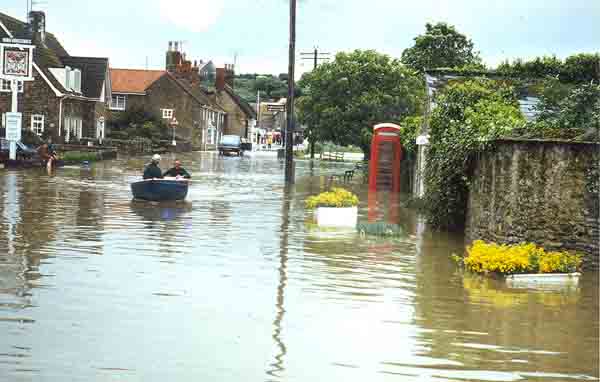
<point>37,23</point>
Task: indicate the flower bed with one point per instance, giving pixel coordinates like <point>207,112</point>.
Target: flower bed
<point>337,197</point>
<point>335,208</point>
<point>525,258</point>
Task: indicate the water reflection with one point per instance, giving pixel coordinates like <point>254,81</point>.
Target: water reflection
<point>160,212</point>
<point>277,367</point>
<point>237,284</point>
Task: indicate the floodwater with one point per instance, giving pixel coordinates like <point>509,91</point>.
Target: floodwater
<point>237,284</point>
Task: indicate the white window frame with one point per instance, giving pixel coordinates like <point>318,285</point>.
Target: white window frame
<point>115,104</point>
<point>5,86</point>
<point>73,128</point>
<point>167,113</point>
<point>37,124</point>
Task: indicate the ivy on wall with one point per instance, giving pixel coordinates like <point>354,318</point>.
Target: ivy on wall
<point>468,115</point>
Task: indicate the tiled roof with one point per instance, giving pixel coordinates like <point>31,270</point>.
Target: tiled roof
<point>199,94</point>
<point>133,80</point>
<point>52,55</point>
<point>245,106</point>
<point>93,71</point>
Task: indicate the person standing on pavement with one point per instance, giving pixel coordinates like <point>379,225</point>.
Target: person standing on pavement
<point>152,170</point>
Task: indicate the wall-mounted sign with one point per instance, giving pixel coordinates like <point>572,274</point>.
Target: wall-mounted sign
<point>16,63</point>
<point>13,126</point>
<point>16,41</point>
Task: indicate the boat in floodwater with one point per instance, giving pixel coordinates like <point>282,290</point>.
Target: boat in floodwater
<point>159,190</point>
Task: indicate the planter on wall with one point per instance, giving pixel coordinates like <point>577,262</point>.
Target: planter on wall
<point>337,216</point>
<point>543,279</point>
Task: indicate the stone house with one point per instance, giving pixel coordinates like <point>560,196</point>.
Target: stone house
<point>170,96</point>
<point>241,117</point>
<point>69,95</point>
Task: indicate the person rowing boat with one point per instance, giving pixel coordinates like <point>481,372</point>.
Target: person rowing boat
<point>177,172</point>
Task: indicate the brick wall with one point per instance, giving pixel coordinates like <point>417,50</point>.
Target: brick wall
<point>538,191</point>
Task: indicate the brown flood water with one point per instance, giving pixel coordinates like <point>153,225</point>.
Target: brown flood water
<point>236,284</point>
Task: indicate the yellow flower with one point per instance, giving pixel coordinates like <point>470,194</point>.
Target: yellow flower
<point>485,257</point>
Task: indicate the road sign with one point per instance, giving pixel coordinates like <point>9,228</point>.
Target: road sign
<point>275,107</point>
<point>13,126</point>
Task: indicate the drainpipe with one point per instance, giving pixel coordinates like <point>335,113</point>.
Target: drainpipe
<point>60,119</point>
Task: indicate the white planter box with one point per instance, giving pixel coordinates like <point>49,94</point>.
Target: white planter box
<point>337,216</point>
<point>532,279</point>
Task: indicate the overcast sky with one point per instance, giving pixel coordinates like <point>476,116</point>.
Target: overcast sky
<point>130,32</point>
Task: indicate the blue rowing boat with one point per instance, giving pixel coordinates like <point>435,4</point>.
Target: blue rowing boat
<point>158,190</point>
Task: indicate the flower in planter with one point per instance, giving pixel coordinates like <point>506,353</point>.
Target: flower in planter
<point>337,197</point>
<point>521,258</point>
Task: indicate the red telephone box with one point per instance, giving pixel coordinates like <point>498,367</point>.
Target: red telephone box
<point>386,154</point>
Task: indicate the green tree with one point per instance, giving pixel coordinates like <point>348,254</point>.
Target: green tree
<point>442,46</point>
<point>467,117</point>
<point>342,100</point>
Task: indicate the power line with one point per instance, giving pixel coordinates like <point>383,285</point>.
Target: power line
<point>315,56</point>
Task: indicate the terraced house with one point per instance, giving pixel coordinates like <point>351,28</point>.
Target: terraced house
<point>174,95</point>
<point>69,96</point>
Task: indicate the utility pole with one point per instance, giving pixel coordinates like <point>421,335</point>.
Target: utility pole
<point>289,139</point>
<point>316,56</point>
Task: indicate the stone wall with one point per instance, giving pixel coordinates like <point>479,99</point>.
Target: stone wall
<point>545,192</point>
<point>37,98</point>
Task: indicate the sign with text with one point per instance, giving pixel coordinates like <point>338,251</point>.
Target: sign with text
<point>275,107</point>
<point>9,40</point>
<point>13,126</point>
<point>16,62</point>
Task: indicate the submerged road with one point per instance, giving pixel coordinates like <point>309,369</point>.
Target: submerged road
<point>237,284</point>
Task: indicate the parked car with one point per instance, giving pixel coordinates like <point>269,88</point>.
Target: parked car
<point>23,151</point>
<point>230,144</point>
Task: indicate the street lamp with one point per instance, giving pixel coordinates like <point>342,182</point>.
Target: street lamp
<point>174,124</point>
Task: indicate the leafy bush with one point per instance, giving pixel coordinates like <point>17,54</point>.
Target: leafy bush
<point>521,258</point>
<point>579,68</point>
<point>468,115</point>
<point>77,156</point>
<point>337,197</point>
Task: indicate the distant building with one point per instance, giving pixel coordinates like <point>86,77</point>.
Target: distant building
<point>69,95</point>
<point>241,117</point>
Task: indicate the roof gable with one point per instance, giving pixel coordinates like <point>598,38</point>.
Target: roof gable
<point>93,71</point>
<point>133,80</point>
<point>242,104</point>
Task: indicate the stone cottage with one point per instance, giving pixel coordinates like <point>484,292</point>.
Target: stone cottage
<point>195,118</point>
<point>68,97</point>
<point>241,117</point>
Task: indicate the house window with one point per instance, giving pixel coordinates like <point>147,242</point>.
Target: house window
<point>118,102</point>
<point>167,113</point>
<point>73,128</point>
<point>6,86</point>
<point>37,124</point>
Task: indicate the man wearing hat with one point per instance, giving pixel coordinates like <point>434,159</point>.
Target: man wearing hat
<point>152,170</point>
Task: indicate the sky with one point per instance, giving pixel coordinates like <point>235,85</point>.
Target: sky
<point>135,33</point>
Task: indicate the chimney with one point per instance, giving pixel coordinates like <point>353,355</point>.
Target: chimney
<point>171,64</point>
<point>37,23</point>
<point>229,75</point>
<point>220,81</point>
<point>176,46</point>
